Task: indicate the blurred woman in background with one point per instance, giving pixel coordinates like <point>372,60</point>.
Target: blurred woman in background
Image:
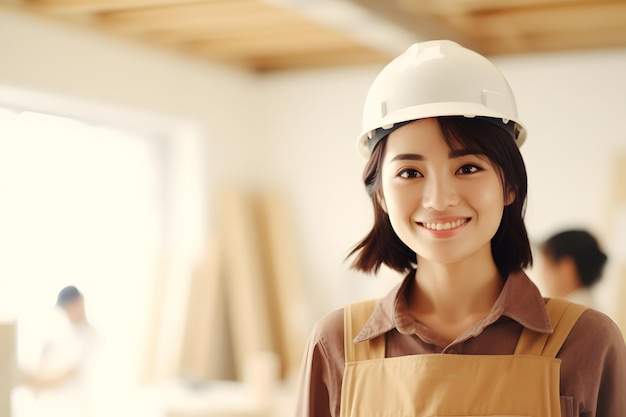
<point>572,262</point>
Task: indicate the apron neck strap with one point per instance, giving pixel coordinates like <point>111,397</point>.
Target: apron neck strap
<point>354,317</point>
<point>563,316</point>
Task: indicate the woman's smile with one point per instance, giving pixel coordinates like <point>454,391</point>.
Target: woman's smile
<point>441,229</point>
<point>444,225</point>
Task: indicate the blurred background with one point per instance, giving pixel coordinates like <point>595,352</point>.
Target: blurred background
<point>191,166</point>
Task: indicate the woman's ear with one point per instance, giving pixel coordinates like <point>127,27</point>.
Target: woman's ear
<point>381,200</point>
<point>509,197</point>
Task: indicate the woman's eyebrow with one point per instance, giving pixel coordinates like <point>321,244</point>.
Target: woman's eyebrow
<point>408,156</point>
<point>457,153</point>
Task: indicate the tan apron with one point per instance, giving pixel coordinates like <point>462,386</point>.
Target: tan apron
<point>433,385</point>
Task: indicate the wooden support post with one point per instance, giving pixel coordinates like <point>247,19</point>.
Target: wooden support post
<point>7,367</point>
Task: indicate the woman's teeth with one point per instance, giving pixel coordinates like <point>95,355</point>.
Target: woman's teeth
<point>445,226</point>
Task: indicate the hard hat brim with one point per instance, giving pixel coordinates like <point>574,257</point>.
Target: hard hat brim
<point>425,111</point>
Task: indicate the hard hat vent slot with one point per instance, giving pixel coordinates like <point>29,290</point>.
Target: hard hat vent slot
<point>497,100</point>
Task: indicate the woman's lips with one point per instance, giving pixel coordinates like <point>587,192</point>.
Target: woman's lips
<point>445,228</point>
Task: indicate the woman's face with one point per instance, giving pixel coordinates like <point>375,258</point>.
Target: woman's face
<point>444,204</point>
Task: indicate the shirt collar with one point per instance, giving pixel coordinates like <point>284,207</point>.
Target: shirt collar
<point>520,300</point>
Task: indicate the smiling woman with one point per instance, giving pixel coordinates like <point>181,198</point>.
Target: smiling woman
<point>448,187</point>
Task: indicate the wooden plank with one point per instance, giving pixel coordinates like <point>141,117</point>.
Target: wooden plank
<point>543,20</point>
<point>284,279</point>
<point>349,57</point>
<point>204,352</point>
<point>211,22</point>
<point>616,210</point>
<point>228,30</point>
<point>75,7</point>
<point>544,29</point>
<point>267,63</point>
<point>8,366</point>
<point>246,298</point>
<point>558,41</point>
<point>230,13</point>
<point>452,7</point>
<point>322,41</point>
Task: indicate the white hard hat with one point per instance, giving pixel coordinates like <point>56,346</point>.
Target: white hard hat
<point>436,78</point>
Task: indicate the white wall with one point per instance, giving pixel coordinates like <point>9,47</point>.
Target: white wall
<point>297,130</point>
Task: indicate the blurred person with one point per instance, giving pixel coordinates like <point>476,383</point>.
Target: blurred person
<point>572,262</point>
<point>56,365</point>
<point>466,332</point>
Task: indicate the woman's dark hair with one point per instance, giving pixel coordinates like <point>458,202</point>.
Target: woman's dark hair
<point>583,248</point>
<point>510,245</point>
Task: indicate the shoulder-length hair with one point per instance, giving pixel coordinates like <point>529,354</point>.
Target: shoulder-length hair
<point>510,246</point>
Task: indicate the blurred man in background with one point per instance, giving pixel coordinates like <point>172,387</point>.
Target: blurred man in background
<point>572,262</point>
<point>56,366</point>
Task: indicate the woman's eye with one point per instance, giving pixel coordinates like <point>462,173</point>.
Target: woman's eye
<point>409,173</point>
<point>468,169</point>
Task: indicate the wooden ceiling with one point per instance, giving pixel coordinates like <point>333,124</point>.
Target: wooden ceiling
<point>270,35</point>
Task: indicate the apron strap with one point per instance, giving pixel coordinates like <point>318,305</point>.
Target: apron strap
<point>354,317</point>
<point>563,316</point>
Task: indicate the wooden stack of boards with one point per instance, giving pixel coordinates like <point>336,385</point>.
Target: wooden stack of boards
<point>246,296</point>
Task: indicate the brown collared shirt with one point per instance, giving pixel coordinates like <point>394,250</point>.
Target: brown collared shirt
<point>593,367</point>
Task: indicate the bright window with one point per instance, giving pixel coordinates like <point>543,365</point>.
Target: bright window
<point>82,205</point>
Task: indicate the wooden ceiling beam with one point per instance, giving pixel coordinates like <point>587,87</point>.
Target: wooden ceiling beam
<point>319,42</point>
<point>556,42</point>
<point>231,12</point>
<point>452,7</point>
<point>219,32</point>
<point>210,25</point>
<point>77,7</point>
<point>588,17</point>
<point>347,57</point>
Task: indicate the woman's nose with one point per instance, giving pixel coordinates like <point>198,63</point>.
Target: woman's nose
<point>440,193</point>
